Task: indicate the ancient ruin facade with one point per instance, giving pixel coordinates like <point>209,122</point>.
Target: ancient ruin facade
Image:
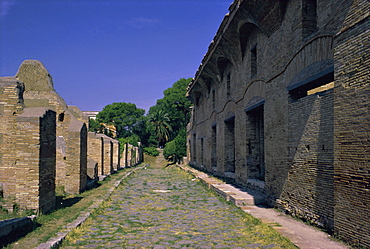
<point>44,143</point>
<point>71,136</point>
<point>27,145</point>
<point>281,104</point>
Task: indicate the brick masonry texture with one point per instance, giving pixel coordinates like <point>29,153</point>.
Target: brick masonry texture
<point>260,119</point>
<point>45,143</point>
<point>27,168</point>
<point>71,132</point>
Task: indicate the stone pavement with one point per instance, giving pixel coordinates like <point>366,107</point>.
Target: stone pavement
<point>301,234</point>
<point>161,207</point>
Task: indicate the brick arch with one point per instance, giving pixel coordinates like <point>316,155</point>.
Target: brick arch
<point>255,89</point>
<point>246,29</point>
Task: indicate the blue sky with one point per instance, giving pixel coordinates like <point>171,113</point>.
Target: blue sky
<point>105,51</point>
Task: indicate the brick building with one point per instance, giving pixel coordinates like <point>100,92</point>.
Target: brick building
<point>281,104</point>
<point>27,150</point>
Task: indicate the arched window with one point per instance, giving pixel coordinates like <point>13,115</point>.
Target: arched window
<point>309,17</point>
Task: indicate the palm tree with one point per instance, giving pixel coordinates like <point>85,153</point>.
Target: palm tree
<point>160,121</point>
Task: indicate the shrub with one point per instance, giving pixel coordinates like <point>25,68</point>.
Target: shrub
<point>151,151</point>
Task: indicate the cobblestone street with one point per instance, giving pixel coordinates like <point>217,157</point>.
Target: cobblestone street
<point>161,207</point>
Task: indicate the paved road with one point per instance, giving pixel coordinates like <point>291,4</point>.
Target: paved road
<point>161,207</point>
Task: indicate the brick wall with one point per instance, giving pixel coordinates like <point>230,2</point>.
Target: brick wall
<point>94,151</point>
<point>308,152</point>
<point>351,129</point>
<point>310,160</point>
<point>71,163</point>
<point>107,155</point>
<point>36,155</point>
<point>11,104</point>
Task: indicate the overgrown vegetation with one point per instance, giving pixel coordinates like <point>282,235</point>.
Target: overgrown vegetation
<point>151,151</point>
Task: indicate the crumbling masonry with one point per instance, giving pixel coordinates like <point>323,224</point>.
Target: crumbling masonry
<point>281,104</point>
<point>27,143</point>
<point>71,137</point>
<point>44,143</point>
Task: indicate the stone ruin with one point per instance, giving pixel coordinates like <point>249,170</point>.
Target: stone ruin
<point>27,142</point>
<point>45,143</point>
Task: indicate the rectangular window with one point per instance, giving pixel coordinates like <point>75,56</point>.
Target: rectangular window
<point>201,151</point>
<point>214,147</point>
<point>194,156</point>
<point>256,143</point>
<point>230,145</point>
<point>316,86</point>
<point>213,98</point>
<point>254,61</point>
<point>228,86</point>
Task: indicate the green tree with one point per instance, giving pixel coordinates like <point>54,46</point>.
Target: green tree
<point>94,125</point>
<point>175,104</point>
<point>126,117</point>
<point>175,150</point>
<point>161,127</point>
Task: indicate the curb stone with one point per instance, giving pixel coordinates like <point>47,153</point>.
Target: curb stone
<point>56,242</point>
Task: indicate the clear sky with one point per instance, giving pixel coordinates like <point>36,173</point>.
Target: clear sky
<point>104,51</point>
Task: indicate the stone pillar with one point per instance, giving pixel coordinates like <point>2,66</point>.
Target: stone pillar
<point>108,155</point>
<point>94,150</point>
<point>11,104</point>
<point>35,162</point>
<point>116,155</point>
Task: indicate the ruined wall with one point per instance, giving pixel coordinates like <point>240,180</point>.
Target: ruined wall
<point>11,105</point>
<point>107,155</point>
<point>95,148</point>
<point>75,176</point>
<point>351,129</point>
<point>273,111</point>
<point>116,155</point>
<point>27,143</point>
<point>36,155</point>
<point>71,151</point>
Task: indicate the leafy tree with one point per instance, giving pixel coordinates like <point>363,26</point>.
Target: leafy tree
<point>175,150</point>
<point>176,105</point>
<point>94,125</point>
<point>160,122</point>
<point>126,117</point>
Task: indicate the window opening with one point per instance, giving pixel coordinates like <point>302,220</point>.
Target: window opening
<point>214,147</point>
<point>228,86</point>
<point>254,61</point>
<point>309,17</point>
<point>316,86</point>
<point>256,144</point>
<point>230,145</point>
<point>213,98</point>
<point>194,148</point>
<point>201,151</point>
